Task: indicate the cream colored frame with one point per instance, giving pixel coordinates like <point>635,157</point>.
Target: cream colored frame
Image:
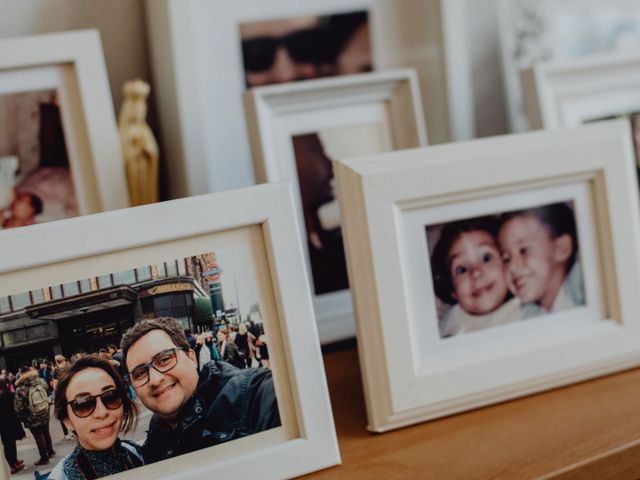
<point>375,193</point>
<point>566,94</point>
<point>198,76</point>
<point>267,108</point>
<point>531,32</point>
<point>95,155</point>
<point>59,252</point>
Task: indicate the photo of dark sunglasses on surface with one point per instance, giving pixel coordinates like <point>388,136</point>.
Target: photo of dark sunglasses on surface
<point>310,45</point>
<point>84,405</point>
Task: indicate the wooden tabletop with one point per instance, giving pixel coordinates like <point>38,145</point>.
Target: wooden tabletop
<point>589,430</point>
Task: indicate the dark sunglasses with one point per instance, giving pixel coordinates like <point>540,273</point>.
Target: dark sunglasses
<point>85,405</point>
<point>310,45</point>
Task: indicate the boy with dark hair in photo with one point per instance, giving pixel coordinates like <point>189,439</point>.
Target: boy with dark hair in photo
<point>468,274</point>
<point>539,250</point>
<point>193,409</point>
<point>24,208</point>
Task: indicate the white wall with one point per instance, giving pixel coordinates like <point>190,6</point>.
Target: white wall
<point>490,112</point>
<point>120,22</point>
<point>477,103</point>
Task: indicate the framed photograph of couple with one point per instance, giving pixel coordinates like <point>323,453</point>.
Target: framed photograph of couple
<point>60,154</point>
<point>205,57</point>
<point>480,288</point>
<point>297,129</point>
<point>206,326</point>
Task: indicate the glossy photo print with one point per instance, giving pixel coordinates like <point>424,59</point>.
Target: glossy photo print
<point>507,267</point>
<point>313,155</point>
<point>35,179</point>
<point>299,48</point>
<point>117,371</point>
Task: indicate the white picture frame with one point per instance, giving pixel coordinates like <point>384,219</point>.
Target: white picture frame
<point>570,93</point>
<point>410,373</point>
<point>198,77</point>
<point>262,220</point>
<point>388,101</point>
<point>536,31</point>
<point>71,64</point>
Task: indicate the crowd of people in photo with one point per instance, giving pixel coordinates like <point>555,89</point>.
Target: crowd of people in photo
<point>203,389</point>
<point>243,345</point>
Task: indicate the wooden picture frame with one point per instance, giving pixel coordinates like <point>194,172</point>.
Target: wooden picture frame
<point>350,115</point>
<point>411,373</point>
<point>257,227</point>
<point>540,31</point>
<point>571,93</point>
<point>198,75</point>
<point>68,70</point>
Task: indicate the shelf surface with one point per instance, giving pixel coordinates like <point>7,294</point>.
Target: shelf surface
<point>587,430</point>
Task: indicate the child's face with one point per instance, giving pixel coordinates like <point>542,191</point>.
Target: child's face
<point>22,207</point>
<point>476,271</point>
<point>534,262</point>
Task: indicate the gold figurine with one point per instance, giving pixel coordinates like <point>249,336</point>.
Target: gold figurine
<point>139,146</point>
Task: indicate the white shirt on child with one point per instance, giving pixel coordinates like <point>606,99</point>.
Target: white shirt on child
<point>572,292</point>
<point>457,320</point>
<point>570,295</point>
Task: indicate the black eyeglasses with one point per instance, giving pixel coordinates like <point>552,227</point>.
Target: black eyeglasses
<point>84,405</point>
<point>310,45</point>
<point>162,363</point>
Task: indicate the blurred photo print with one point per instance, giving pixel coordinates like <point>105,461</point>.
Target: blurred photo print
<point>35,179</point>
<point>299,48</point>
<point>125,369</point>
<point>506,267</point>
<point>313,155</point>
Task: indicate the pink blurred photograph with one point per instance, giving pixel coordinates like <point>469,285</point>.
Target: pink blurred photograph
<point>36,184</point>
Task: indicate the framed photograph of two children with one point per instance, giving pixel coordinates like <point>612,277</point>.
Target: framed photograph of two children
<point>491,269</point>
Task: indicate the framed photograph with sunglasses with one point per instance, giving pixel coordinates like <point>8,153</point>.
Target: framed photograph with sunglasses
<point>472,288</point>
<point>205,57</point>
<point>297,129</point>
<point>183,336</point>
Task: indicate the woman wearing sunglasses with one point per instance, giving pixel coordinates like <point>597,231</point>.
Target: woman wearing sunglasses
<point>92,402</point>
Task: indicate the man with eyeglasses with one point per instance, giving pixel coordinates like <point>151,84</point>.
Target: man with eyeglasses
<point>192,410</point>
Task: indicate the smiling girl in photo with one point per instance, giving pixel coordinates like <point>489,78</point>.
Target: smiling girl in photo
<point>539,250</point>
<point>468,274</point>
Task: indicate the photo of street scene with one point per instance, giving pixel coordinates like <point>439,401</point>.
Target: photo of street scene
<point>117,371</point>
<point>506,267</point>
<point>35,178</point>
